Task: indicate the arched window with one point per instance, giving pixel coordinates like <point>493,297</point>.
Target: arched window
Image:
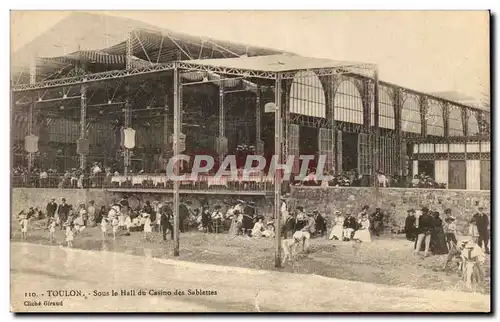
<point>307,96</point>
<point>472,124</point>
<point>386,110</point>
<point>348,104</point>
<point>455,124</point>
<point>410,116</point>
<point>434,119</point>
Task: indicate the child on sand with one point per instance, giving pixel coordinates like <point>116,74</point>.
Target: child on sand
<point>69,233</point>
<point>104,227</point>
<point>52,229</point>
<point>114,224</point>
<point>23,220</point>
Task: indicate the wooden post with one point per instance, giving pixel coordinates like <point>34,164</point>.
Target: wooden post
<point>277,153</point>
<point>177,128</point>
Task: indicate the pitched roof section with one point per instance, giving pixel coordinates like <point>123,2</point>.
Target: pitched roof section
<point>82,31</point>
<point>275,63</point>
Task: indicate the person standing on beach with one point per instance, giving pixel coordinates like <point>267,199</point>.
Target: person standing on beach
<point>51,210</point>
<point>91,212</point>
<point>63,212</point>
<point>482,222</point>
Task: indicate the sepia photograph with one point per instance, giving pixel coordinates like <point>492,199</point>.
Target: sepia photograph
<point>250,161</point>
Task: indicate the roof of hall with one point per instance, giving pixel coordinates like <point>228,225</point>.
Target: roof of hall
<point>275,63</point>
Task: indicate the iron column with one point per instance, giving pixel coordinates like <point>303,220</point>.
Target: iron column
<point>31,113</point>
<point>83,121</point>
<point>377,129</point>
<point>127,119</point>
<point>277,155</point>
<point>177,127</point>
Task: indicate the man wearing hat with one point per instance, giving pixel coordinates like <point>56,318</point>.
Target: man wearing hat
<point>482,223</point>
<point>377,218</point>
<point>284,209</point>
<point>63,212</point>
<point>217,218</point>
<point>350,226</point>
<point>51,210</point>
<point>424,226</point>
<point>410,225</point>
<point>320,222</point>
<point>300,218</point>
<point>308,230</point>
<point>166,215</point>
<point>250,209</point>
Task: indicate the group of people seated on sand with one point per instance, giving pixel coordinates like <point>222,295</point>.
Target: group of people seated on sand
<point>359,228</point>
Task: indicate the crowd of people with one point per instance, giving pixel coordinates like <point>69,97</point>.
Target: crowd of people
<point>240,218</point>
<point>98,176</point>
<point>423,180</point>
<point>431,234</point>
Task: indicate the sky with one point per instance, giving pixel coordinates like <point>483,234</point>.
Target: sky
<point>429,51</point>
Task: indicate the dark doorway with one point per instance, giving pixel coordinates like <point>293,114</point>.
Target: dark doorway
<point>308,143</point>
<point>457,176</point>
<point>267,136</point>
<point>485,174</point>
<point>349,151</point>
<point>426,167</point>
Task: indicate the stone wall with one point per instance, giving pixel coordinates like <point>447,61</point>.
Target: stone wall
<point>23,198</point>
<point>393,201</point>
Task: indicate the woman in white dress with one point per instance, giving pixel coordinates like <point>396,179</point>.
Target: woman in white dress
<point>234,214</point>
<point>269,232</point>
<point>258,228</point>
<point>80,220</point>
<point>363,233</point>
<point>147,226</point>
<point>337,232</point>
<point>473,232</point>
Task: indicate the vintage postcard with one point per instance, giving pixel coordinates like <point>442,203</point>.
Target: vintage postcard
<point>250,161</point>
